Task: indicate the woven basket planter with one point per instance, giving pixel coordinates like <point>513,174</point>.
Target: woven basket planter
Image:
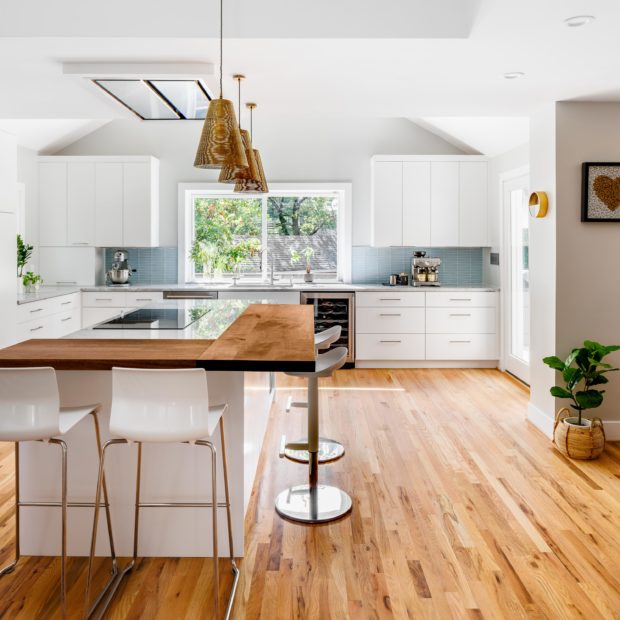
<point>578,442</point>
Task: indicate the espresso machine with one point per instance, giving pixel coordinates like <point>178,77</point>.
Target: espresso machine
<point>121,270</point>
<point>425,270</point>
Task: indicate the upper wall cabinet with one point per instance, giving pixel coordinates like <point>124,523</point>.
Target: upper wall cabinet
<point>99,201</point>
<point>422,200</point>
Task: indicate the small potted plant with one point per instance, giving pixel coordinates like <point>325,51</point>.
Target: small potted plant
<point>308,253</point>
<point>24,253</point>
<point>32,281</point>
<point>583,370</point>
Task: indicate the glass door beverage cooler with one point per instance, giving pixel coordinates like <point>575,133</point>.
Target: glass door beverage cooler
<point>334,309</point>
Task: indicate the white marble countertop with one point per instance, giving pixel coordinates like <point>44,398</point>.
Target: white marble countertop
<point>47,292</point>
<point>220,315</point>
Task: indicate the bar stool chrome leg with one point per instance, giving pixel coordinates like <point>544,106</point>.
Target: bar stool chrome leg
<point>313,502</point>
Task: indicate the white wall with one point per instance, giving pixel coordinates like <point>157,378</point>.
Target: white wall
<point>543,267</point>
<point>588,254</point>
<point>303,150</point>
<point>28,174</point>
<point>498,165</point>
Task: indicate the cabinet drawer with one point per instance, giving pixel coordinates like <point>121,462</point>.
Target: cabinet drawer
<point>39,328</point>
<point>390,320</point>
<point>65,303</point>
<point>104,299</point>
<point>33,310</point>
<point>461,321</point>
<point>92,316</point>
<point>473,299</point>
<point>135,300</point>
<point>66,323</point>
<point>390,347</point>
<point>390,299</point>
<point>461,347</point>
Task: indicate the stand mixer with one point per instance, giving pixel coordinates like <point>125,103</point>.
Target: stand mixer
<point>121,271</point>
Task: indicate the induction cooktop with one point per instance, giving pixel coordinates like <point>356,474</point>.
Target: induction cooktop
<point>155,318</point>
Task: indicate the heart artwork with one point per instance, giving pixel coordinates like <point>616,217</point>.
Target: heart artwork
<point>608,191</point>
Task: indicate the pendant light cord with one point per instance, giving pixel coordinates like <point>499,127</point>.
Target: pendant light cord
<point>221,46</point>
<point>251,126</point>
<point>239,102</point>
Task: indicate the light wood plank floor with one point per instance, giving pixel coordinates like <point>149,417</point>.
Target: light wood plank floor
<point>461,510</point>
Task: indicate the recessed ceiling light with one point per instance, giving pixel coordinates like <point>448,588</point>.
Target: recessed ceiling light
<point>513,75</point>
<point>579,20</point>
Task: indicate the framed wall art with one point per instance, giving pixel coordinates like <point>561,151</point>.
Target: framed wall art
<point>600,192</point>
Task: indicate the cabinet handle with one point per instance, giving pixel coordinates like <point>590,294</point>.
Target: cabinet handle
<point>34,329</point>
<point>390,314</point>
<point>102,299</point>
<point>64,282</point>
<point>460,298</point>
<point>67,319</point>
<point>37,310</point>
<point>390,340</point>
<point>461,314</point>
<point>460,341</point>
<point>144,299</point>
<point>79,243</point>
<point>65,303</point>
<point>390,299</point>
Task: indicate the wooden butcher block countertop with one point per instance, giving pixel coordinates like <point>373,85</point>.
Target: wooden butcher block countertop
<point>264,337</point>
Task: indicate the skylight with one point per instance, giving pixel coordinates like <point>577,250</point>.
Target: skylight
<point>153,100</point>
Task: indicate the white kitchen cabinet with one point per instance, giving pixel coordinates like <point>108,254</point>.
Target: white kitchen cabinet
<point>108,204</point>
<point>8,278</point>
<point>461,321</point>
<point>473,199</point>
<point>461,347</point>
<point>388,298</point>
<point>277,297</point>
<point>53,203</point>
<point>445,204</point>
<point>429,201</point>
<point>81,203</point>
<point>390,320</point>
<point>387,204</point>
<point>50,318</point>
<point>416,203</point>
<point>68,266</point>
<point>141,204</point>
<point>99,201</point>
<point>390,347</point>
<point>98,306</point>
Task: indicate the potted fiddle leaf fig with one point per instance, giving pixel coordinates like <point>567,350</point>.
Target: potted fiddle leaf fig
<point>583,374</point>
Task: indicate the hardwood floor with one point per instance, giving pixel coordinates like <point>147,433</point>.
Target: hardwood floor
<point>461,510</point>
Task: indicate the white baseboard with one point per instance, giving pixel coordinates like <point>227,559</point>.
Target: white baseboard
<point>425,364</point>
<point>540,420</point>
<point>545,423</point>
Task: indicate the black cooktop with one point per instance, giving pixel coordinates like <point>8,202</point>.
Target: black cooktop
<point>156,318</point>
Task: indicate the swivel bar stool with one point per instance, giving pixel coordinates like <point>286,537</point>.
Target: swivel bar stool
<point>329,449</point>
<point>314,502</point>
<point>167,406</point>
<point>30,411</point>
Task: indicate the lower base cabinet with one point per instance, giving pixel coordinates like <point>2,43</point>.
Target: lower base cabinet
<point>50,318</point>
<point>390,347</point>
<point>461,347</point>
<point>102,306</point>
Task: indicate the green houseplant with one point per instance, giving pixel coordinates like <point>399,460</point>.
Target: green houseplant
<point>32,281</point>
<point>24,252</point>
<point>583,374</point>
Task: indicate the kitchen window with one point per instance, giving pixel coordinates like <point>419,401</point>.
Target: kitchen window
<point>223,234</point>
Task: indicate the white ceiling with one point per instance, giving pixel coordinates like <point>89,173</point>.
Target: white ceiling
<point>420,67</point>
<point>490,135</point>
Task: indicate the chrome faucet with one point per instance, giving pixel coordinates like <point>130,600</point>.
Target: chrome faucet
<point>272,276</point>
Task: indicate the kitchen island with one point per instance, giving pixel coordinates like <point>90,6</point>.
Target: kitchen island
<point>238,343</point>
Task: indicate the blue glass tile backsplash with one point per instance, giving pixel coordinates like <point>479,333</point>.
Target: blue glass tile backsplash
<point>459,266</point>
<point>153,265</point>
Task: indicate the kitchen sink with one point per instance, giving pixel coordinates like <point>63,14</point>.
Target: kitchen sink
<point>277,284</point>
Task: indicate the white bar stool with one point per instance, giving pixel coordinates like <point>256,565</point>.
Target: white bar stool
<point>166,406</point>
<point>30,411</point>
<point>314,502</point>
<point>329,449</point>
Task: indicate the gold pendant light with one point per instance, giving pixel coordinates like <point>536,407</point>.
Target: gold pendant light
<point>220,142</point>
<point>256,185</point>
<point>231,173</point>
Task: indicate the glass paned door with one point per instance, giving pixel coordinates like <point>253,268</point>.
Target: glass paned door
<point>517,275</point>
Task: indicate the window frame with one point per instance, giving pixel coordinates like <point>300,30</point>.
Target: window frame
<point>187,192</point>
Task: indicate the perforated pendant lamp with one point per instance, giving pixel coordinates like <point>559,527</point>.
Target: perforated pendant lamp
<point>220,142</point>
<point>232,173</point>
<point>258,185</point>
